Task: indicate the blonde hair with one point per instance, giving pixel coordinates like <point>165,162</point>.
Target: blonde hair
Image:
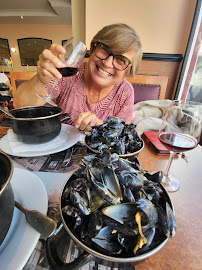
<point>121,38</point>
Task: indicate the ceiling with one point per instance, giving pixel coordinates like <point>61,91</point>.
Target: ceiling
<point>36,12</point>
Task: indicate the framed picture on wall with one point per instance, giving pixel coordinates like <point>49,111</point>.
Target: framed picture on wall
<point>4,52</point>
<point>31,48</point>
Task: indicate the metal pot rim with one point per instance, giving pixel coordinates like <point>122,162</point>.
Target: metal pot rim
<point>105,257</point>
<point>10,174</point>
<point>36,118</point>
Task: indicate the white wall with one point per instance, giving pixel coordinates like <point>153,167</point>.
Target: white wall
<point>163,25</point>
<point>78,21</point>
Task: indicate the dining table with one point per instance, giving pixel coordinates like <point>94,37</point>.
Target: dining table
<point>183,251</point>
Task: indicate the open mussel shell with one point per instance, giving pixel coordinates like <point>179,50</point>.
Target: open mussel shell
<point>117,136</point>
<point>158,242</point>
<point>136,153</point>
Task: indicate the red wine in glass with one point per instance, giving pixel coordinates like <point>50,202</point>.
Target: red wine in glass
<point>72,64</point>
<point>177,142</point>
<point>180,131</point>
<point>67,71</point>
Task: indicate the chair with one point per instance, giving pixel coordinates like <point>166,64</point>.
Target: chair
<point>148,87</point>
<point>16,78</point>
<point>3,105</point>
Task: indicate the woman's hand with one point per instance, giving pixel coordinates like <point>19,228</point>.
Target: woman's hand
<point>86,120</point>
<point>49,62</point>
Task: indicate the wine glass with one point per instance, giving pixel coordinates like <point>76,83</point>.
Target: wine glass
<point>72,64</point>
<point>180,131</point>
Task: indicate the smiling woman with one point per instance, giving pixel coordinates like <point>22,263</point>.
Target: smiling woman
<point>99,89</point>
<point>102,52</point>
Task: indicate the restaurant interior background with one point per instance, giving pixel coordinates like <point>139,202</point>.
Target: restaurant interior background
<point>163,26</point>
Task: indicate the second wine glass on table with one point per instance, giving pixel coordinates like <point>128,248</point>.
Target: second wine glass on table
<point>72,65</point>
<point>179,132</point>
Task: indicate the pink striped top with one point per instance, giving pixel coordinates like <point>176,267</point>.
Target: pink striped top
<point>71,97</point>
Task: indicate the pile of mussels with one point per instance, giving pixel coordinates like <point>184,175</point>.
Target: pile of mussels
<point>115,135</point>
<point>116,208</point>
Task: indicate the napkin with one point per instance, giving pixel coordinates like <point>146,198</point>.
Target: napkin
<point>20,147</point>
<point>148,115</point>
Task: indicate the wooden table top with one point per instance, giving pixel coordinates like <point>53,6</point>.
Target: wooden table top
<point>183,252</point>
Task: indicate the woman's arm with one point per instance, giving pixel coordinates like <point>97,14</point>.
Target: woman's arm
<point>46,71</point>
<point>25,94</point>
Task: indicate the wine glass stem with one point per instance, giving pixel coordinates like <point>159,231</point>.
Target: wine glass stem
<point>172,154</point>
<point>53,87</point>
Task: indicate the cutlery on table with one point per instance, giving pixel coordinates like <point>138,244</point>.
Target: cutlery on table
<point>41,223</point>
<point>6,112</point>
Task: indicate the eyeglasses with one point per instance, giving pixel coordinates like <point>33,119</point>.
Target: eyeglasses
<point>102,52</point>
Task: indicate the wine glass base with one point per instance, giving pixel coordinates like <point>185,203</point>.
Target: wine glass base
<point>170,183</point>
<point>47,99</point>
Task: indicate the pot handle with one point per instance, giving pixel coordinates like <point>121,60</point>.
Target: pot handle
<point>54,260</point>
<point>6,122</point>
<point>64,117</point>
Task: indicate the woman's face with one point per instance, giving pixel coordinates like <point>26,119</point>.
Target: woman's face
<point>102,72</point>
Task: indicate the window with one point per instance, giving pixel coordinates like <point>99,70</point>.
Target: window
<point>4,51</point>
<point>30,49</point>
<point>190,81</point>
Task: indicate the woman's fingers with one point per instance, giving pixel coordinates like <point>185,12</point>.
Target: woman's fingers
<point>48,55</point>
<point>57,49</point>
<point>86,120</point>
<point>83,120</point>
<point>49,62</point>
<point>46,68</point>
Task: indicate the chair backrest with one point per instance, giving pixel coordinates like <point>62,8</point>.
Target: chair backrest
<point>3,105</point>
<point>148,87</point>
<point>16,78</point>
<point>3,130</point>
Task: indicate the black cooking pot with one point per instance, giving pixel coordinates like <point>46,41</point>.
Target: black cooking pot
<point>37,124</point>
<point>6,195</point>
<point>89,254</point>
